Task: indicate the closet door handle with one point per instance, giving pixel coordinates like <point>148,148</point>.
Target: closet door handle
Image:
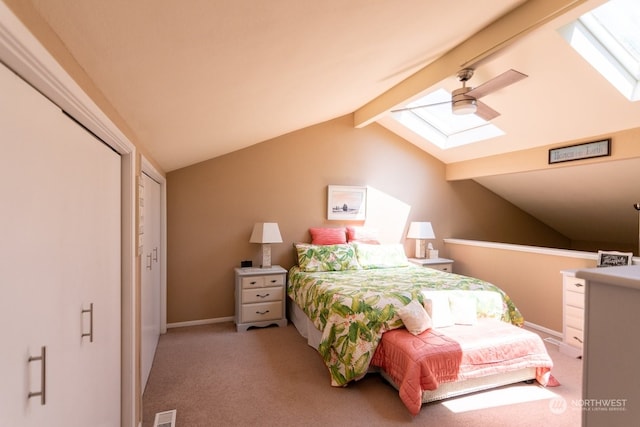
<point>43,375</point>
<point>149,265</point>
<point>155,254</point>
<point>90,333</point>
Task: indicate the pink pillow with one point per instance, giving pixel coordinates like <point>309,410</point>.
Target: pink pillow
<point>328,236</point>
<point>362,235</point>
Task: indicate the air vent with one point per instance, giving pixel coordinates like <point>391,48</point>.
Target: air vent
<point>165,419</point>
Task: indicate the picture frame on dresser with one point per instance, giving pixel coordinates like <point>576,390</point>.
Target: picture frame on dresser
<point>614,259</point>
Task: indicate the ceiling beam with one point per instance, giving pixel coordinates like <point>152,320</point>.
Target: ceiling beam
<point>478,48</point>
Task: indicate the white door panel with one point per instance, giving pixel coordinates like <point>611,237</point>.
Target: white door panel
<point>151,277</point>
<point>59,252</point>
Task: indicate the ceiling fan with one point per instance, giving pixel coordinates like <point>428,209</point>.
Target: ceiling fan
<point>465,99</point>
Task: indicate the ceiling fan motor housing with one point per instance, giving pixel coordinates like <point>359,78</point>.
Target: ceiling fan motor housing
<point>461,103</point>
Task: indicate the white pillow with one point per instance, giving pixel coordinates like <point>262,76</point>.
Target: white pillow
<point>381,256</point>
<point>437,305</point>
<point>463,309</point>
<point>415,317</point>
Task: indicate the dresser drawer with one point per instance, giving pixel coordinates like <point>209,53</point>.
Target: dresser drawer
<point>262,281</point>
<point>573,284</point>
<point>262,294</point>
<point>574,299</point>
<point>574,337</point>
<point>574,312</point>
<point>261,311</point>
<point>575,322</point>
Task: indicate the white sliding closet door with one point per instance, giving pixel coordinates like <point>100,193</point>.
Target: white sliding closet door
<point>151,277</point>
<point>59,257</point>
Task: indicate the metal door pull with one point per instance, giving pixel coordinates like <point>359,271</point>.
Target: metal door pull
<point>43,375</point>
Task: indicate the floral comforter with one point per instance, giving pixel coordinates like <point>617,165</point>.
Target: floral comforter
<point>354,308</point>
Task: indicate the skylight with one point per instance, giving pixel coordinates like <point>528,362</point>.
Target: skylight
<point>609,39</point>
<point>436,123</point>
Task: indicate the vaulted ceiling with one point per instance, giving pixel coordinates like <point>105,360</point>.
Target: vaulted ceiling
<point>198,79</point>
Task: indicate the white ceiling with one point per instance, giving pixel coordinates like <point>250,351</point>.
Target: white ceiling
<point>198,79</point>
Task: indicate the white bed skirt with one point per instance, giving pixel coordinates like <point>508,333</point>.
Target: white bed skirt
<point>303,324</point>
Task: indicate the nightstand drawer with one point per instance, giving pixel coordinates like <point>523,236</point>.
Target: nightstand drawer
<point>441,267</point>
<point>262,294</point>
<point>261,311</point>
<point>262,281</point>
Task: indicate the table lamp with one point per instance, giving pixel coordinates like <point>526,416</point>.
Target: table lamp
<point>420,231</point>
<point>266,233</point>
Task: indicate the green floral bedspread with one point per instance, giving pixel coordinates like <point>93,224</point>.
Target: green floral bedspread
<point>354,308</point>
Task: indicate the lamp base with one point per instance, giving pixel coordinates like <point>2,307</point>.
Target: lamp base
<point>421,246</point>
<point>266,255</point>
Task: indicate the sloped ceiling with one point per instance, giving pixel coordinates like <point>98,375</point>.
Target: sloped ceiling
<point>198,79</point>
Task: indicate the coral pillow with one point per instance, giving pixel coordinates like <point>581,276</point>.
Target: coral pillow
<point>328,235</point>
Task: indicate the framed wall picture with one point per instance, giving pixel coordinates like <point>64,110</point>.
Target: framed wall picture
<point>612,259</point>
<point>346,202</point>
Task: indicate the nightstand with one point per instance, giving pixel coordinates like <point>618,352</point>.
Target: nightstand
<point>442,264</point>
<point>260,297</point>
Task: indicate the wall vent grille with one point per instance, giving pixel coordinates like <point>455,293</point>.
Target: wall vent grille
<point>165,419</point>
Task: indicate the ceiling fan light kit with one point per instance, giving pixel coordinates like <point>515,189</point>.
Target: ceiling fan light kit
<point>464,100</point>
<point>461,103</point>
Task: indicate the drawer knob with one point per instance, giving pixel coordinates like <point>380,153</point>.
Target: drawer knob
<point>578,285</point>
<point>262,296</point>
<point>262,312</point>
<point>273,281</point>
<point>253,283</point>
<point>578,339</point>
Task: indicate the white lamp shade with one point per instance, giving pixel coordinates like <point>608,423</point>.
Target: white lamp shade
<point>421,230</point>
<point>265,232</point>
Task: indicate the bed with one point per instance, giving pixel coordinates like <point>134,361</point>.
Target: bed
<point>351,300</point>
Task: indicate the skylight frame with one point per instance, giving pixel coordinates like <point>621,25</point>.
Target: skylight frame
<point>437,124</point>
<point>595,42</point>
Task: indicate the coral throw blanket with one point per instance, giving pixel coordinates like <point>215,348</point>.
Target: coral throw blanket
<point>458,352</point>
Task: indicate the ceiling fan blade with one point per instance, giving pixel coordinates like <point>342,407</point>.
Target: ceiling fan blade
<point>419,106</point>
<point>505,79</point>
<point>485,112</point>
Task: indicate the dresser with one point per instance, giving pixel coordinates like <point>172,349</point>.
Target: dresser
<point>442,264</point>
<point>573,290</point>
<point>610,374</point>
<point>260,297</point>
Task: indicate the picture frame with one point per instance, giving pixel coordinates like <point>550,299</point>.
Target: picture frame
<point>613,258</point>
<point>585,150</point>
<point>346,202</point>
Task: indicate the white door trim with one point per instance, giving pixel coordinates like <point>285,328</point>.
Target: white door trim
<point>24,54</point>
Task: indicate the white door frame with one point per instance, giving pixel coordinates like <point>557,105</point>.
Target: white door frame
<point>24,54</point>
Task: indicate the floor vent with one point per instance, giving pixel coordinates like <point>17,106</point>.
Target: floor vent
<point>165,419</point>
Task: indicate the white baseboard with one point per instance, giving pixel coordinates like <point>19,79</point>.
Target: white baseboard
<point>200,322</point>
<point>543,329</point>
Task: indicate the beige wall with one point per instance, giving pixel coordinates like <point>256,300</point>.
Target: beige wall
<point>211,206</point>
